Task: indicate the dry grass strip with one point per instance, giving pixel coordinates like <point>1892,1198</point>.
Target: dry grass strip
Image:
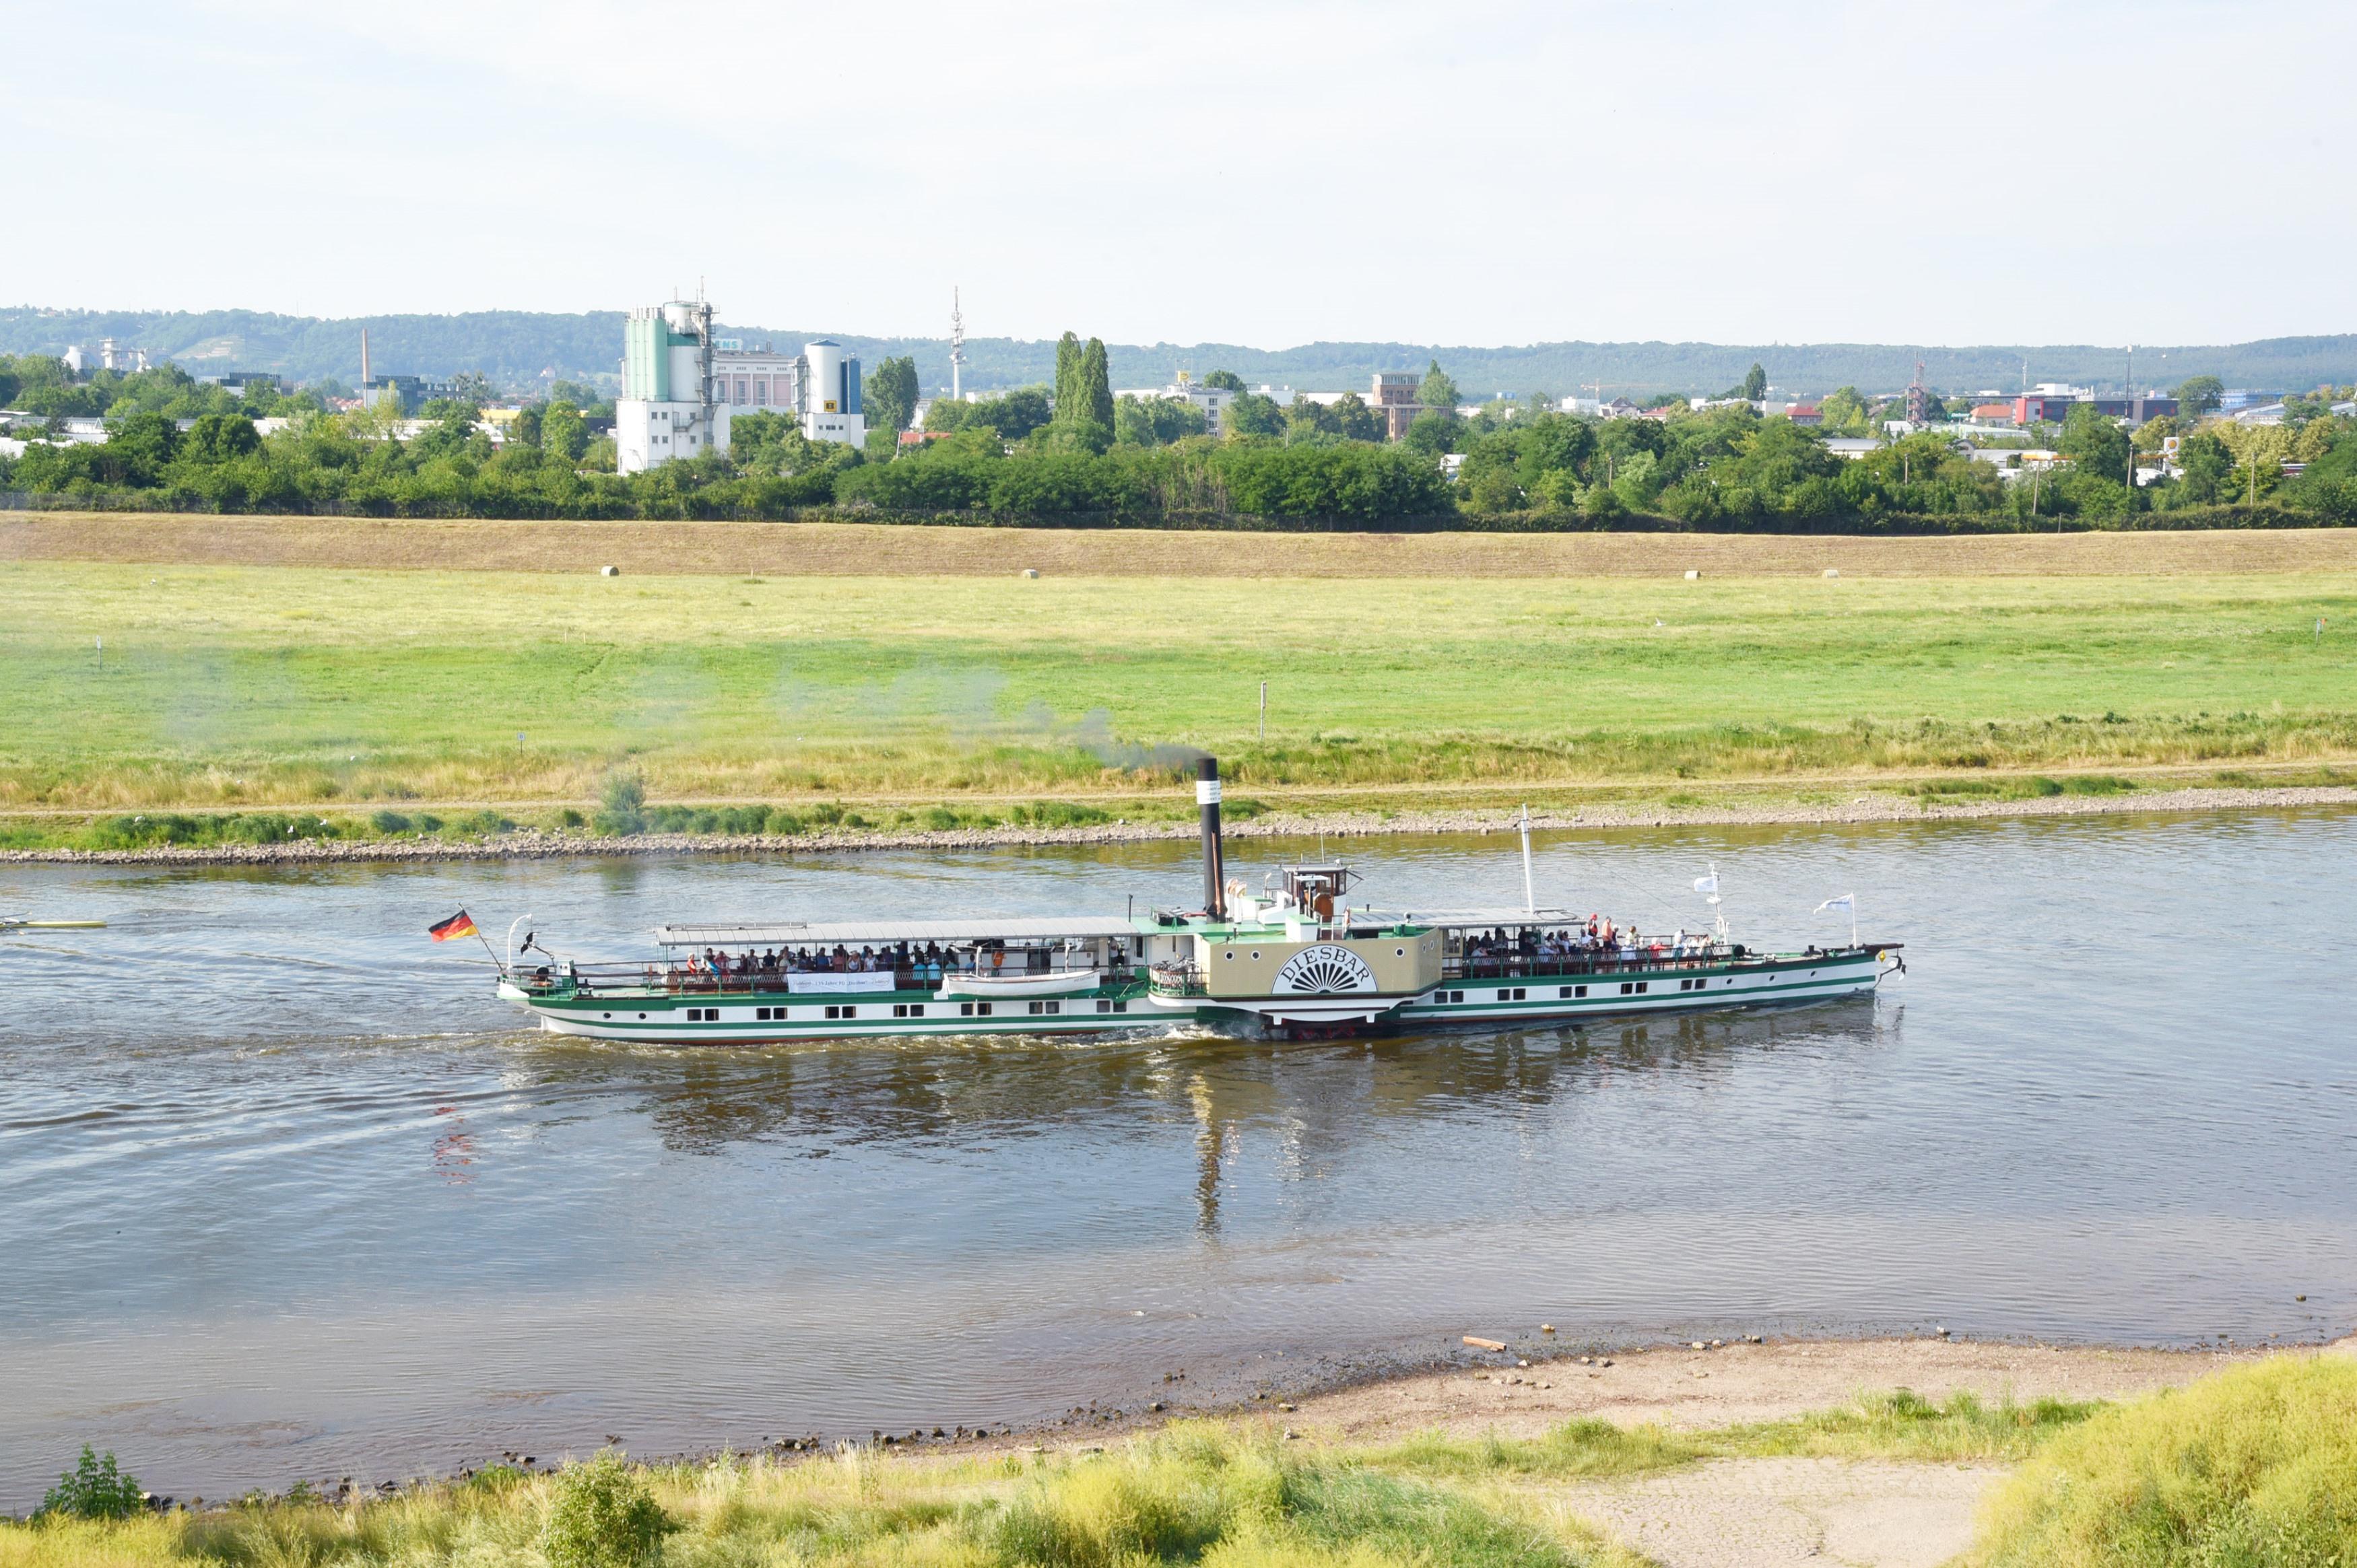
<point>817,549</point>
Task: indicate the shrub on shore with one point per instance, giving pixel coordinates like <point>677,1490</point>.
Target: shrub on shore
<point>603,1516</point>
<point>2255,1467</point>
<point>94,1489</point>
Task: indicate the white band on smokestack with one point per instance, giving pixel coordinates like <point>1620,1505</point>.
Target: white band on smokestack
<point>1207,791</point>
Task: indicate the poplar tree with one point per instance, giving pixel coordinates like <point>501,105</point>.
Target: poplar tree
<point>1068,374</point>
<point>1094,385</point>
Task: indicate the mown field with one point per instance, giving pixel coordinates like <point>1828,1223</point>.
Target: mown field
<point>220,686</point>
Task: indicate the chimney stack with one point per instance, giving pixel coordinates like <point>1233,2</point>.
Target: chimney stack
<point>1206,798</point>
<point>365,377</point>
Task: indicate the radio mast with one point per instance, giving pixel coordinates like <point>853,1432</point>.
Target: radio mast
<point>957,347</point>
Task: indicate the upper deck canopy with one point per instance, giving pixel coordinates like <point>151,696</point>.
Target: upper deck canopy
<point>1482,920</point>
<point>861,933</point>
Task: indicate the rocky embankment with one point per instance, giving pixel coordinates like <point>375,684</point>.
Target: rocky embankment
<point>532,844</point>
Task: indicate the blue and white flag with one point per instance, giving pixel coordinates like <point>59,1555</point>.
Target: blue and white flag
<point>1846,901</point>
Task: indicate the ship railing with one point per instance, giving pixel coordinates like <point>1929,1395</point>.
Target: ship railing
<point>1179,980</point>
<point>1520,966</point>
<point>588,980</point>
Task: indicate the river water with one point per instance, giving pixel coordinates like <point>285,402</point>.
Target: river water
<point>285,1192</point>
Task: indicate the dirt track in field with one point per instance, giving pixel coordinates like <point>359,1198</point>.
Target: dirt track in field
<point>825,549</point>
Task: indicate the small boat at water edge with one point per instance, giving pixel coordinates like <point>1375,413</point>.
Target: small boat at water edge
<point>1297,961</point>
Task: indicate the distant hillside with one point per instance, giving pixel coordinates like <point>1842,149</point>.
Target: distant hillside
<point>517,348</point>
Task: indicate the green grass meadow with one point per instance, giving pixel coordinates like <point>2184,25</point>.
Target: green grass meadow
<point>284,687</point>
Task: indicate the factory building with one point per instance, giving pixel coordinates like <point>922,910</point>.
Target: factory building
<point>680,384</point>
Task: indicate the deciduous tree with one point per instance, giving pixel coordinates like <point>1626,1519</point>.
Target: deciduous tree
<point>890,393</point>
<point>2199,395</point>
<point>1437,391</point>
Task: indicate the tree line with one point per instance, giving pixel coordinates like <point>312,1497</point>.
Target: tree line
<point>1074,451</point>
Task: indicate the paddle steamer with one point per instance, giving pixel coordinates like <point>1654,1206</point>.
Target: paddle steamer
<point>1297,960</point>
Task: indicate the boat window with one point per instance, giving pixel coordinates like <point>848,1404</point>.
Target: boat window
<point>1120,1006</point>
<point>1643,985</point>
<point>1627,987</point>
<point>965,1009</point>
<point>1104,1007</point>
<point>1399,952</point>
<point>982,1008</point>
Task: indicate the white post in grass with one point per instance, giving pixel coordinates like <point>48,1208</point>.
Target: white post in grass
<point>1530,893</point>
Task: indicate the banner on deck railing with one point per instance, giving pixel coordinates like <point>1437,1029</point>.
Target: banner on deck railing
<point>838,984</point>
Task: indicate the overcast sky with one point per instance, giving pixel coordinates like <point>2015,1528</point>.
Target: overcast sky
<point>1257,173</point>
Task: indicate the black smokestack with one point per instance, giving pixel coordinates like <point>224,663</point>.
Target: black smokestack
<point>1207,796</point>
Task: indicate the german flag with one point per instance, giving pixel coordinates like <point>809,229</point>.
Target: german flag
<point>458,925</point>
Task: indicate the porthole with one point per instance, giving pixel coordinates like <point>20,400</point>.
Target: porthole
<point>605,1014</point>
<point>1399,952</point>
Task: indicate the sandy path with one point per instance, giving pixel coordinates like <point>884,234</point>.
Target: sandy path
<point>1764,1513</point>
<point>828,549</point>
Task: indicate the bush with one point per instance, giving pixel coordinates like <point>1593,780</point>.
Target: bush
<point>602,1516</point>
<point>140,832</point>
<point>624,806</point>
<point>1058,814</point>
<point>389,822</point>
<point>94,1489</point>
<point>2253,1466</point>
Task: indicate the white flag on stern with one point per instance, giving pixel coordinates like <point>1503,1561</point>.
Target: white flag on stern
<point>1706,884</point>
<point>1848,902</point>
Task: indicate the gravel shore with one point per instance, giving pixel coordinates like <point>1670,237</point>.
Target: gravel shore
<point>530,844</point>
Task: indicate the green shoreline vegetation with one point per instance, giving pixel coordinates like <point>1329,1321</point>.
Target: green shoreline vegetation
<point>1079,455</point>
<point>2255,1466</point>
<point>202,704</point>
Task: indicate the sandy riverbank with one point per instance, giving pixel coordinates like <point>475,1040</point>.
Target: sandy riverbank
<point>1760,1512</point>
<point>531,845</point>
<point>1715,1513</point>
